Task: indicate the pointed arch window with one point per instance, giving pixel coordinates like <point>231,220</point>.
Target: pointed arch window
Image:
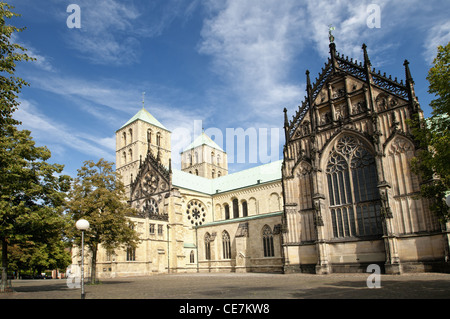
<point>226,245</point>
<point>207,246</point>
<point>267,241</point>
<point>352,187</point>
<point>192,257</point>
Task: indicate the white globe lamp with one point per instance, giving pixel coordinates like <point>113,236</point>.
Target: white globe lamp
<point>82,224</point>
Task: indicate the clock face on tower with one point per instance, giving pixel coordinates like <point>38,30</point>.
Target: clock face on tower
<point>196,212</point>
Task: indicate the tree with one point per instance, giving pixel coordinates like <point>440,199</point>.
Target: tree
<point>32,194</point>
<point>433,135</point>
<point>98,195</point>
<point>32,191</point>
<point>10,85</point>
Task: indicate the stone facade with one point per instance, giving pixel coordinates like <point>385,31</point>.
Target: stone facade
<point>350,196</point>
<point>343,197</point>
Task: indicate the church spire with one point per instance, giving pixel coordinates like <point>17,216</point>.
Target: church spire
<point>367,64</point>
<point>410,87</point>
<point>286,126</point>
<point>332,48</point>
<point>409,79</point>
<point>366,56</point>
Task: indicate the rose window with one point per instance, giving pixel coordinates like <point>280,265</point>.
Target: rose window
<point>196,212</point>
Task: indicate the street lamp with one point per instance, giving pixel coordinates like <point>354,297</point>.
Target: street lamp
<point>82,225</point>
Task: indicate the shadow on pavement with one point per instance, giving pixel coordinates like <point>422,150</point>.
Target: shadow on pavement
<point>435,289</point>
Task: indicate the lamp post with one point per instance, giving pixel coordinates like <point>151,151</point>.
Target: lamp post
<point>82,225</point>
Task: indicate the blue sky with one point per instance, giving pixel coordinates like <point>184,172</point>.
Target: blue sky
<point>229,64</point>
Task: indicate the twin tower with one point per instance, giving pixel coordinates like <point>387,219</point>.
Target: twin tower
<point>144,134</point>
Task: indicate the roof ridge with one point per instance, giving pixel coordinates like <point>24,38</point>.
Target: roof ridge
<point>200,140</point>
<point>145,116</point>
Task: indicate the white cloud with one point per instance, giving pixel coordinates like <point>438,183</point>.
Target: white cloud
<point>60,137</point>
<point>438,35</point>
<point>42,62</point>
<point>111,31</point>
<point>253,44</point>
<point>107,34</point>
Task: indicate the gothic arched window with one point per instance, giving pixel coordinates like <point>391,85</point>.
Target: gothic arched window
<point>268,241</point>
<point>192,257</point>
<point>352,187</point>
<point>207,246</point>
<point>226,245</point>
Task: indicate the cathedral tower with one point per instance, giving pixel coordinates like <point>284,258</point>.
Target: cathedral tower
<point>203,157</point>
<point>143,133</point>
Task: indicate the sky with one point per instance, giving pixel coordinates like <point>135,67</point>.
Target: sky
<point>210,64</point>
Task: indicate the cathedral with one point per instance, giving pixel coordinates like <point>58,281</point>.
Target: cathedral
<point>343,196</point>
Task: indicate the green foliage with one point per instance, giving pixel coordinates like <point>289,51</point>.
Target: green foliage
<point>32,191</point>
<point>32,197</point>
<point>10,53</point>
<point>433,135</point>
<point>439,78</point>
<point>98,195</point>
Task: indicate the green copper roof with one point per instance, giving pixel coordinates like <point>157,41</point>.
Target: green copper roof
<point>250,177</point>
<point>241,219</point>
<point>203,139</point>
<point>145,116</point>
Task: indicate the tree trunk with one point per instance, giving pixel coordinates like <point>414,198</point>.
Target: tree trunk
<point>4,265</point>
<point>94,265</point>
